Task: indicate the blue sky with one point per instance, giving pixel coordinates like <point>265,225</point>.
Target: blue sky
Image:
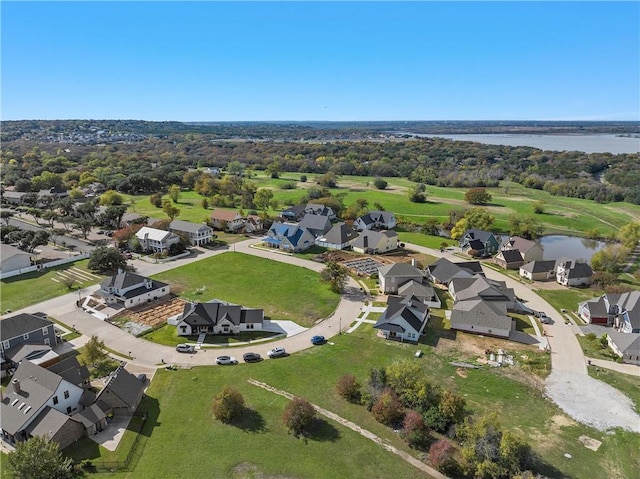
<point>215,61</point>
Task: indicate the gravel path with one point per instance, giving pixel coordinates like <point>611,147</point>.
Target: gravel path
<point>592,402</point>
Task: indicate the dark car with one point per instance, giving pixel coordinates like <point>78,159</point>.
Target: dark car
<point>251,357</point>
<point>317,340</point>
<point>142,378</point>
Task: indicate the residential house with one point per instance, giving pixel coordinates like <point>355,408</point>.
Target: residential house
<point>23,330</point>
<point>71,370</point>
<point>530,250</point>
<point>404,319</point>
<point>479,243</point>
<point>254,224</point>
<point>227,220</point>
<point>218,317</point>
<point>317,225</point>
<point>293,213</point>
<point>375,220</point>
<point>375,242</point>
<point>27,402</point>
<point>319,209</point>
<point>478,287</point>
<point>509,259</point>
<point>155,240</point>
<point>48,196</point>
<point>198,233</point>
<point>595,311</point>
<point>93,418</point>
<point>340,236</point>
<point>392,276</point>
<point>443,271</point>
<point>621,311</point>
<point>13,259</point>
<point>625,345</point>
<point>572,273</point>
<point>539,270</point>
<point>14,197</point>
<point>423,292</point>
<point>129,289</point>
<point>289,237</point>
<point>122,393</point>
<point>482,317</point>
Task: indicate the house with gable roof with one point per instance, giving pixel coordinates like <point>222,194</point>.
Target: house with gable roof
<point>129,289</point>
<point>538,270</point>
<point>340,236</point>
<point>375,220</point>
<point>317,225</point>
<point>509,259</point>
<point>155,240</point>
<point>392,276</point>
<point>404,319</point>
<point>25,336</point>
<point>375,242</point>
<point>198,233</point>
<point>622,311</point>
<point>529,250</point>
<point>121,394</point>
<point>218,317</point>
<point>13,259</point>
<point>227,220</point>
<point>625,345</point>
<point>423,292</point>
<point>484,243</point>
<point>573,273</point>
<point>478,316</point>
<point>289,237</point>
<point>442,271</point>
<point>320,209</point>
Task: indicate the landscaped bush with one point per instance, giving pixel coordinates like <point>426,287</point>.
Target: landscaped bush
<point>349,388</point>
<point>388,408</point>
<point>414,431</point>
<point>228,404</point>
<point>298,415</point>
<point>442,457</point>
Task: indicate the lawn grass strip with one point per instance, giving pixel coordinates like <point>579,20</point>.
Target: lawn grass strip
<point>354,427</point>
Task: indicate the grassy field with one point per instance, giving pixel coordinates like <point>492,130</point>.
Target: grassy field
<point>567,299</point>
<point>570,216</point>
<point>18,292</point>
<point>283,291</point>
<point>246,450</point>
<point>593,349</point>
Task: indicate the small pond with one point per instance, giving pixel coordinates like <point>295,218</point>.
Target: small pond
<point>557,246</point>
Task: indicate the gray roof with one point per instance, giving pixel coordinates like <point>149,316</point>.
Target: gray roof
<point>468,288</point>
<point>511,256</point>
<point>473,267</point>
<point>71,370</point>
<point>580,270</point>
<point>26,351</point>
<point>318,209</point>
<point>480,313</point>
<point>520,244</point>
<point>384,217</point>
<point>401,307</point>
<point>627,343</point>
<point>126,279</point>
<point>340,233</point>
<point>539,266</point>
<point>630,302</point>
<point>418,290</point>
<point>597,307</point>
<point>369,238</point>
<point>47,423</point>
<point>22,324</point>
<point>37,385</point>
<point>90,415</point>
<point>399,270</point>
<point>188,226</point>
<point>7,251</point>
<point>444,270</point>
<point>209,314</point>
<point>124,385</point>
<point>476,234</point>
<point>318,223</point>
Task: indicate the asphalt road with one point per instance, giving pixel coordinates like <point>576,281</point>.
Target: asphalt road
<point>79,244</point>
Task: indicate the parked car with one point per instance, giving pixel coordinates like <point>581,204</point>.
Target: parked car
<point>317,340</point>
<point>251,357</point>
<point>142,378</point>
<point>185,348</point>
<point>277,353</point>
<point>101,232</point>
<point>226,360</point>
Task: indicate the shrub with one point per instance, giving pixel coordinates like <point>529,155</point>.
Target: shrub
<point>349,388</point>
<point>414,429</point>
<point>380,184</point>
<point>298,415</point>
<point>156,200</point>
<point>441,456</point>
<point>436,419</point>
<point>388,409</point>
<point>303,178</point>
<point>228,404</point>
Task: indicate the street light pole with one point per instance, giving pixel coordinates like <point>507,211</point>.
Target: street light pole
<point>340,326</point>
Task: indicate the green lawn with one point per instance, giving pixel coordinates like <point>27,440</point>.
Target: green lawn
<point>593,349</point>
<point>428,241</point>
<point>18,292</point>
<point>567,299</point>
<point>283,291</point>
<point>247,449</point>
<point>168,335</point>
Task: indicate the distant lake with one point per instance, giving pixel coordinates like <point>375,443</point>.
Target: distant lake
<point>587,143</point>
<point>558,246</point>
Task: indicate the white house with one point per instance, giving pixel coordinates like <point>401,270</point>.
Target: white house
<point>538,270</point>
<point>130,289</point>
<point>625,345</point>
<point>218,317</point>
<point>375,220</point>
<point>155,240</point>
<point>392,276</point>
<point>375,242</point>
<point>572,273</point>
<point>198,233</point>
<point>404,319</point>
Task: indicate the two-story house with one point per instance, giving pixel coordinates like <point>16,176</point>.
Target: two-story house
<point>289,237</point>
<point>392,276</point>
<point>155,240</point>
<point>572,273</point>
<point>130,289</point>
<point>22,330</point>
<point>375,220</point>
<point>481,243</point>
<point>375,242</point>
<point>227,220</point>
<point>198,233</point>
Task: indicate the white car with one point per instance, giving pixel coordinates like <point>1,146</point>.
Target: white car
<point>226,360</point>
<point>185,348</point>
<point>277,353</point>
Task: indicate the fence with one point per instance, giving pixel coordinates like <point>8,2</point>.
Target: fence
<point>43,266</point>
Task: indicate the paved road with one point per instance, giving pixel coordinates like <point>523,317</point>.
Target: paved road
<point>79,244</point>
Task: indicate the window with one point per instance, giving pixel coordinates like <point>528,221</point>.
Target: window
<point>66,394</point>
<point>45,330</point>
<point>25,336</point>
<point>69,410</point>
<point>55,400</point>
<point>5,344</point>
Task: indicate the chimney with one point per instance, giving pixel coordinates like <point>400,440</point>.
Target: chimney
<point>414,262</point>
<point>16,385</point>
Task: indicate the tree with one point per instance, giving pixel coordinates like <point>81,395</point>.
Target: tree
<point>228,404</point>
<point>442,456</point>
<point>349,388</point>
<point>170,210</point>
<point>303,178</point>
<point>39,458</point>
<point>418,193</point>
<point>50,216</point>
<point>94,351</point>
<point>111,198</point>
<point>235,168</point>
<point>629,234</point>
<point>611,258</point>
<point>526,226</point>
<point>477,196</point>
<point>298,415</point>
<point>36,213</point>
<point>156,200</point>
<point>336,275</point>
<point>539,207</point>
<point>388,409</point>
<point>474,218</point>
<point>380,184</point>
<point>174,193</point>
<point>6,215</point>
<point>452,406</point>
<point>263,198</point>
<point>328,180</point>
<point>106,260</point>
<point>84,225</point>
<point>414,429</point>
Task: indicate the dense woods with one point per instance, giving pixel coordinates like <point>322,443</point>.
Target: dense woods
<point>149,157</point>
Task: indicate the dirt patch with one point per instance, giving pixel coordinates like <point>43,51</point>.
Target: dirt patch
<point>590,443</point>
<point>155,313</point>
<point>245,470</point>
<point>461,372</point>
<point>562,421</point>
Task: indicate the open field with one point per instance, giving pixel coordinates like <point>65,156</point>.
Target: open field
<point>629,385</point>
<point>570,216</point>
<point>18,292</point>
<point>567,299</point>
<point>246,450</point>
<point>283,291</point>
